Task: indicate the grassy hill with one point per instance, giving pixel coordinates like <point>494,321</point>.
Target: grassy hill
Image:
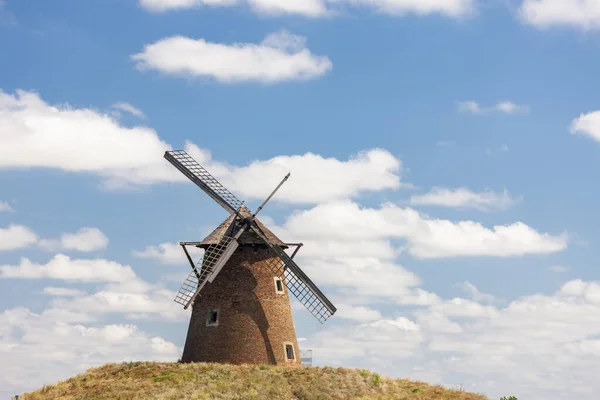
<point>172,381</point>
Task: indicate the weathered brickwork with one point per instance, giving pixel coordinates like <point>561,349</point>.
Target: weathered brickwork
<point>254,321</point>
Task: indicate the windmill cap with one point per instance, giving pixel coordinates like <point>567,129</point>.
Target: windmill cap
<point>229,228</point>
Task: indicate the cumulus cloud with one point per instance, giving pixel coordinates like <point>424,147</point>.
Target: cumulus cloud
<point>64,268</point>
<point>63,348</point>
<point>587,125</point>
<point>583,14</point>
<point>451,8</point>
<point>308,8</point>
<point>370,342</point>
<point>85,240</point>
<point>168,253</point>
<point>165,5</point>
<point>63,292</point>
<point>281,56</point>
<point>464,198</point>
<point>122,291</point>
<point>128,108</point>
<point>16,237</point>
<point>314,178</point>
<point>40,135</point>
<point>357,313</point>
<point>322,8</point>
<point>475,294</point>
<point>35,134</point>
<point>534,344</point>
<point>354,249</point>
<point>425,237</point>
<point>151,303</point>
<point>504,106</point>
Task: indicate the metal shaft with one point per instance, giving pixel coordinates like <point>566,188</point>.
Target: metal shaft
<point>271,195</point>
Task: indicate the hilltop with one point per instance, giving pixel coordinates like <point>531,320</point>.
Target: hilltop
<point>176,381</point>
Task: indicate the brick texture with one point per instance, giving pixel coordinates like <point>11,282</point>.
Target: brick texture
<point>254,322</point>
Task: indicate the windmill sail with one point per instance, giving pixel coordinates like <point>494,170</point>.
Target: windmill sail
<point>216,255</point>
<point>201,177</point>
<point>297,282</point>
<point>302,288</point>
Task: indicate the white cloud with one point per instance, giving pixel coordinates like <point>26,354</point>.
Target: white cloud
<point>164,5</point>
<point>85,240</point>
<point>122,290</point>
<point>584,14</point>
<point>128,108</point>
<point>314,178</point>
<point>465,198</point>
<point>63,292</point>
<point>308,8</point>
<point>63,349</point>
<point>152,302</point>
<point>64,268</point>
<point>367,279</point>
<point>367,344</point>
<point>425,237</point>
<point>279,57</point>
<point>168,253</point>
<point>16,237</point>
<point>5,207</point>
<point>321,8</point>
<point>587,125</point>
<point>82,140</point>
<point>357,313</point>
<point>476,295</point>
<point>36,134</point>
<point>451,8</point>
<point>505,106</point>
<point>352,249</point>
<point>534,346</point>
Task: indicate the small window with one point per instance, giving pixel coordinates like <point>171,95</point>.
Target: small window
<point>212,319</point>
<point>278,285</point>
<point>289,352</point>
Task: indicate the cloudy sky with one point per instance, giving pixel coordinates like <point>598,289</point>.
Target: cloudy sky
<point>444,158</point>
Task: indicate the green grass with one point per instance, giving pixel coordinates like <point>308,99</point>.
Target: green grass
<point>201,381</point>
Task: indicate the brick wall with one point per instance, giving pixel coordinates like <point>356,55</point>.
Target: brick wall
<point>254,320</point>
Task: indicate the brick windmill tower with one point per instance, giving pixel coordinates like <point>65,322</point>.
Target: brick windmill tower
<point>239,289</point>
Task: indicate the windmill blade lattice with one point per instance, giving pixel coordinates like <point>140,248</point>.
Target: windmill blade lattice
<point>197,279</point>
<point>303,289</point>
<point>201,177</point>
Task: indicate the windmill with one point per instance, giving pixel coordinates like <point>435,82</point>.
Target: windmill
<point>238,290</point>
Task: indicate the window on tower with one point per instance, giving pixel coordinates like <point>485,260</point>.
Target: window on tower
<point>289,352</point>
<point>278,285</point>
<point>212,318</point>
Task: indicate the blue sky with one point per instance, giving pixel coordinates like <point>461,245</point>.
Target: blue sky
<point>443,158</point>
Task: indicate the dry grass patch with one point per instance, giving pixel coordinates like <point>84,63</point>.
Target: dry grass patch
<point>202,381</point>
